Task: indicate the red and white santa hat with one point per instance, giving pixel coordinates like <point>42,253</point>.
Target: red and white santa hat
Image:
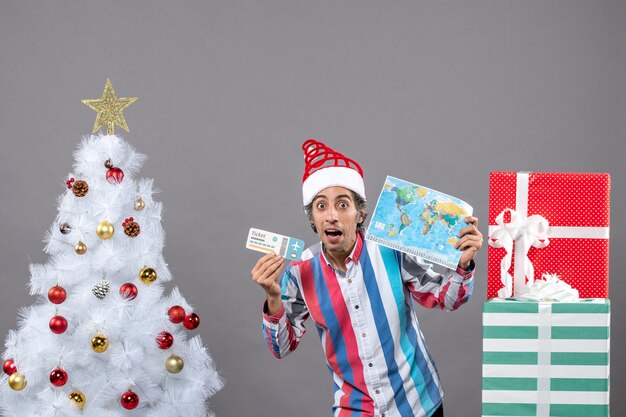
<point>325,167</point>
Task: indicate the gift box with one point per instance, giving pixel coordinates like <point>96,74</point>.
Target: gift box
<point>546,359</point>
<point>555,223</point>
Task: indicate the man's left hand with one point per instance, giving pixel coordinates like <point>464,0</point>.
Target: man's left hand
<point>470,241</point>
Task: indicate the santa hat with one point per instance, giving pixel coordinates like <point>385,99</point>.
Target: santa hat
<point>325,167</point>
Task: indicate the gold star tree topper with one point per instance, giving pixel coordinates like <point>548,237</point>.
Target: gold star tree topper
<point>110,109</point>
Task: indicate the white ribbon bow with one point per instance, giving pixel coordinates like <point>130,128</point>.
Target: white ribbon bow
<point>549,288</point>
<point>525,232</point>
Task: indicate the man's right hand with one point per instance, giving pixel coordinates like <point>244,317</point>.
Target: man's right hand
<point>266,273</point>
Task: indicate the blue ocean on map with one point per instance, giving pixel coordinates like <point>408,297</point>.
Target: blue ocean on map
<point>419,221</point>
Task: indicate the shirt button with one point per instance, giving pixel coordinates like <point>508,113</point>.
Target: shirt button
<point>356,306</point>
<point>349,280</point>
<point>370,364</point>
<point>377,391</point>
<point>382,415</point>
<point>363,334</point>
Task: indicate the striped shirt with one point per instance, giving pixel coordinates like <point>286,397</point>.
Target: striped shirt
<point>365,319</point>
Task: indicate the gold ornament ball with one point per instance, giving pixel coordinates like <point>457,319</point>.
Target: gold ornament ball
<point>17,381</point>
<point>139,204</point>
<point>78,398</point>
<point>80,248</point>
<point>105,230</point>
<point>147,275</point>
<point>100,343</point>
<point>174,364</point>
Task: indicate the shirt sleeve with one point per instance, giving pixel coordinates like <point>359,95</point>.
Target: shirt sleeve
<point>282,331</point>
<point>448,290</point>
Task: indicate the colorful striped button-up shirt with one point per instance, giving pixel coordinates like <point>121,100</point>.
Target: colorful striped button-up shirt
<point>369,331</point>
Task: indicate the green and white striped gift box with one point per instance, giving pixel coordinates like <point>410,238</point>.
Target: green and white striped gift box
<point>545,359</point>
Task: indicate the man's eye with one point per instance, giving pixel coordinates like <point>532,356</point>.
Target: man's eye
<point>321,206</point>
<point>343,205</point>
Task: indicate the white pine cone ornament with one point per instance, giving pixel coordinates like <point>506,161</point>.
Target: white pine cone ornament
<point>101,289</point>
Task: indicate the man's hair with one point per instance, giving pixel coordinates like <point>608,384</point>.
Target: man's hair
<point>359,202</point>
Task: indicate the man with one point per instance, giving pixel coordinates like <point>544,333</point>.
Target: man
<point>359,296</point>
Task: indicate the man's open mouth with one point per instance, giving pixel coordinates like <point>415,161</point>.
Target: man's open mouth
<point>333,232</point>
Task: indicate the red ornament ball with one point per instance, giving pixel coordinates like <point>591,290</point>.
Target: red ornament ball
<point>58,377</point>
<point>129,400</point>
<point>9,367</point>
<point>58,324</point>
<point>57,294</point>
<point>176,313</point>
<point>115,175</point>
<point>128,291</point>
<point>192,321</point>
<point>165,340</point>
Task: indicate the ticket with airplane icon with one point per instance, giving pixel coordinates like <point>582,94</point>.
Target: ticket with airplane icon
<point>263,241</point>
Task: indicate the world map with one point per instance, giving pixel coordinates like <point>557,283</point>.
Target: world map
<point>418,220</point>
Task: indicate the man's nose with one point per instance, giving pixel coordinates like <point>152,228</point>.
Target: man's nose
<point>331,214</point>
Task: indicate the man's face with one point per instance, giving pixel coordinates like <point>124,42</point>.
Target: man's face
<point>335,216</point>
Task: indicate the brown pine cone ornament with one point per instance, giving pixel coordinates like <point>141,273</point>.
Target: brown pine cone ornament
<point>80,188</point>
<point>131,227</point>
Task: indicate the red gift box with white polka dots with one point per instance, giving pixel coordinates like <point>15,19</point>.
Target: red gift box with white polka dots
<point>578,200</point>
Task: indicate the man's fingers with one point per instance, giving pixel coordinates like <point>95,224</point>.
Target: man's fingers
<point>262,260</point>
<point>469,230</point>
<point>465,230</point>
<point>472,220</point>
<point>270,272</point>
<point>270,259</point>
<point>469,241</point>
<point>267,273</point>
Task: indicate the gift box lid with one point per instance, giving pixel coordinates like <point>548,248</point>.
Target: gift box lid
<point>563,198</point>
<point>511,305</point>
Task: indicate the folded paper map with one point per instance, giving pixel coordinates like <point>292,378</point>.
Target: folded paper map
<point>418,221</point>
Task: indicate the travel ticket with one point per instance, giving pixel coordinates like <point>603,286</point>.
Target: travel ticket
<point>285,246</point>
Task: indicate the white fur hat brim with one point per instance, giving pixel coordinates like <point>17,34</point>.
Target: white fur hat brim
<point>332,177</point>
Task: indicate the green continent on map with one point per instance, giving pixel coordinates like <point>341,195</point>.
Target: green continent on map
<point>404,195</point>
<point>406,221</point>
<point>407,195</point>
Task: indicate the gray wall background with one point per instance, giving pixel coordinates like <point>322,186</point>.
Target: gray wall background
<point>436,92</point>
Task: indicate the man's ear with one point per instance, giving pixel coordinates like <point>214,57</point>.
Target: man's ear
<point>361,217</point>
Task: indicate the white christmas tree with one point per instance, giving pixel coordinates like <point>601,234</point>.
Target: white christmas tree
<point>103,339</point>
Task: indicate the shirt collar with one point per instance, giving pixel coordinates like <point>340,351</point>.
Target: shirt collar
<point>354,256</point>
